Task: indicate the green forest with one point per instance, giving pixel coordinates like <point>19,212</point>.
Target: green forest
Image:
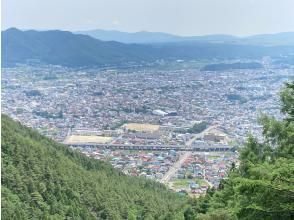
<point>262,186</point>
<point>42,179</point>
<point>77,50</point>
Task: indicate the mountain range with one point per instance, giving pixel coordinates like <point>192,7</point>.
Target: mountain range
<point>285,38</point>
<point>78,50</point>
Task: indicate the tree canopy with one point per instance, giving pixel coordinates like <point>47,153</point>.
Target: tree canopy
<point>262,186</point>
<point>42,179</point>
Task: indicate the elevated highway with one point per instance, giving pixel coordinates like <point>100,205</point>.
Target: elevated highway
<point>188,146</point>
<point>153,147</point>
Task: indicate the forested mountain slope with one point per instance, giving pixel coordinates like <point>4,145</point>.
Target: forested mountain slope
<point>45,180</point>
<point>262,187</point>
<point>42,179</point>
<point>76,50</point>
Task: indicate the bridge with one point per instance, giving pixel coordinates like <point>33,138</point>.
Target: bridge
<point>153,147</point>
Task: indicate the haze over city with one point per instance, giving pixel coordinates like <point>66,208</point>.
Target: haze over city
<point>147,109</point>
<point>185,17</point>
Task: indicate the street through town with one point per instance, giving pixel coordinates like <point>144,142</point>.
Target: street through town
<point>177,165</point>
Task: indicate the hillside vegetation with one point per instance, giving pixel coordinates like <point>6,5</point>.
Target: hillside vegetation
<point>262,187</point>
<point>42,179</point>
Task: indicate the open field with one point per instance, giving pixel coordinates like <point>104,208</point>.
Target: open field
<point>75,139</point>
<point>184,183</point>
<point>141,127</point>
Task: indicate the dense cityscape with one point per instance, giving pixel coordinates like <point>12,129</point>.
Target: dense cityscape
<point>147,110</point>
<point>100,111</point>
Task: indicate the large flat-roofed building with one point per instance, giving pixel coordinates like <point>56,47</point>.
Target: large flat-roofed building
<point>159,112</point>
<point>141,127</point>
<point>214,137</point>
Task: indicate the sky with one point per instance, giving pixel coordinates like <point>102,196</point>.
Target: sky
<point>181,17</point>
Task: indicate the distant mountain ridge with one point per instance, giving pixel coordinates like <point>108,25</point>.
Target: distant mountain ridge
<point>76,50</point>
<point>124,37</point>
<point>65,48</point>
<point>143,37</point>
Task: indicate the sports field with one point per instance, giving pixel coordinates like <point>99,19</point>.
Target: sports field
<point>141,127</point>
<point>76,139</point>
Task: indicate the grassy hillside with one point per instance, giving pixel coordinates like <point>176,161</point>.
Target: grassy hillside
<point>42,179</point>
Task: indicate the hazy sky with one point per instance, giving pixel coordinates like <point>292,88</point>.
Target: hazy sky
<point>182,17</point>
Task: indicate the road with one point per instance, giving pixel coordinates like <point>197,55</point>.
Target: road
<point>204,175</point>
<point>172,171</point>
<point>199,135</point>
<point>177,165</point>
